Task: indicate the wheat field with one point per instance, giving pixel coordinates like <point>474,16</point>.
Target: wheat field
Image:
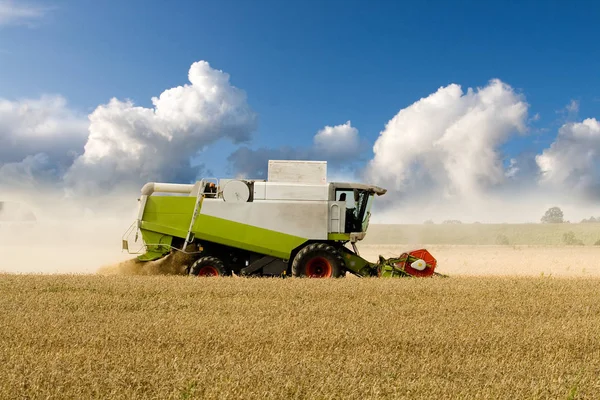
<point>179,337</point>
<point>587,234</point>
<point>492,260</point>
<point>519,319</point>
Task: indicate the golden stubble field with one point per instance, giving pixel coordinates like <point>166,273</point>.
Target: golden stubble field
<point>157,337</point>
<point>520,320</point>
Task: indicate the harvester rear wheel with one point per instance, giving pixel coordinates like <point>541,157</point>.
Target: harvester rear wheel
<point>208,266</point>
<point>318,260</point>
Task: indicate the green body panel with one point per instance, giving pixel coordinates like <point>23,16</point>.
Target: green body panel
<point>170,216</point>
<point>158,245</point>
<point>169,212</point>
<point>246,237</point>
<point>164,217</point>
<point>356,264</point>
<point>163,229</point>
<point>389,271</point>
<point>151,255</point>
<point>342,237</point>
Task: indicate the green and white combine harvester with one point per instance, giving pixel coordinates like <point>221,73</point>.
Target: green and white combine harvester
<point>293,223</point>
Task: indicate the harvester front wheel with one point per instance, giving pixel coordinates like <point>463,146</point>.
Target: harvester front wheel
<point>318,260</point>
<point>208,266</point>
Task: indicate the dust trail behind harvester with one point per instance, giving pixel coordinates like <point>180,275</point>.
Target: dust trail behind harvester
<point>66,235</point>
<point>173,264</point>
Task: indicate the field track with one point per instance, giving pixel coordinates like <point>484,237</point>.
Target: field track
<point>135,337</point>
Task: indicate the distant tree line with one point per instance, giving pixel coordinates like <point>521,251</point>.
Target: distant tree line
<point>590,219</point>
<point>554,215</point>
<point>448,221</point>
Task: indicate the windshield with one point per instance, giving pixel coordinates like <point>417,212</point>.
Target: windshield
<point>358,207</point>
<point>367,213</point>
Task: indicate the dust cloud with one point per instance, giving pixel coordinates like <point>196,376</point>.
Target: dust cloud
<point>66,235</point>
<point>49,232</point>
<point>173,264</point>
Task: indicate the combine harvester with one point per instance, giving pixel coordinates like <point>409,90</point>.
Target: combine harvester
<point>294,223</point>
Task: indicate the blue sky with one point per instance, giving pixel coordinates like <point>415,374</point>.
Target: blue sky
<point>310,64</point>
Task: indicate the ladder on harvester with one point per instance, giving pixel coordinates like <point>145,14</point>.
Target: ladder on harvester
<point>198,205</point>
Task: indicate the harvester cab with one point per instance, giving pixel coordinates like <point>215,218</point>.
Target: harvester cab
<point>293,223</point>
<point>357,201</point>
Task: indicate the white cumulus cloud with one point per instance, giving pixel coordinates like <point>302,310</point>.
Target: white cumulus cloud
<point>339,145</point>
<point>449,141</point>
<point>337,142</point>
<point>572,162</point>
<point>39,139</point>
<point>129,144</point>
<point>440,157</point>
<point>443,151</point>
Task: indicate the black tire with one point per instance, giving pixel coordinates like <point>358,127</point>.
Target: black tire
<point>208,266</point>
<point>319,260</point>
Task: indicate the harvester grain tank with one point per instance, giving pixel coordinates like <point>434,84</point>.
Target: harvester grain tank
<point>293,223</point>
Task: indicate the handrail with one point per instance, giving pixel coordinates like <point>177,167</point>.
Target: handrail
<point>152,187</point>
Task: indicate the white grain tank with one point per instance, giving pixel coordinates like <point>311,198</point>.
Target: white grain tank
<point>296,171</point>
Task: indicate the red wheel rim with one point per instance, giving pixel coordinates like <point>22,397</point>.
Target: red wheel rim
<point>318,267</point>
<point>208,270</point>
